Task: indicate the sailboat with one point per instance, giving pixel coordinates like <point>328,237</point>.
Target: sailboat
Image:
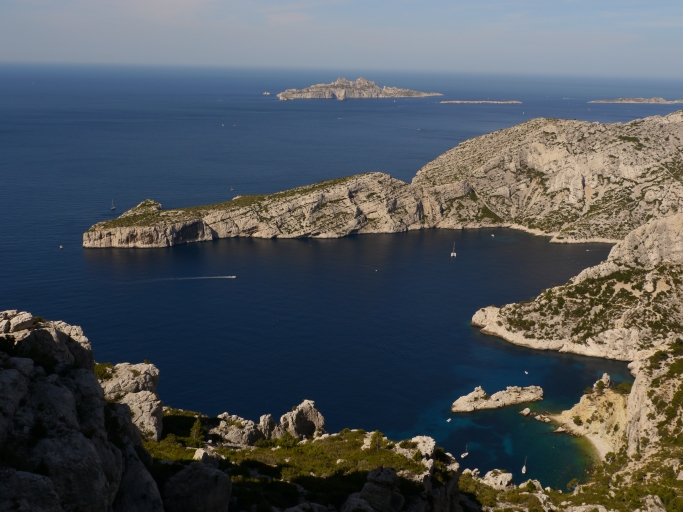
<point>465,454</point>
<point>112,206</point>
<point>453,251</point>
<point>524,466</point>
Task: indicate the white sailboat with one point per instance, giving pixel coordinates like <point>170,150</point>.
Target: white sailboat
<point>465,454</point>
<point>453,251</point>
<point>112,206</point>
<point>524,466</point>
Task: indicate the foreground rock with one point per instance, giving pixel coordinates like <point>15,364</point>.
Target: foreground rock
<point>63,446</point>
<point>344,89</point>
<point>479,399</point>
<point>136,386</point>
<point>572,180</point>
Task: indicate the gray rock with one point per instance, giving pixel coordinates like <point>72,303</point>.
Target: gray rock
<point>23,491</point>
<point>205,457</point>
<point>498,480</point>
<point>304,421</point>
<point>21,321</point>
<point>147,412</point>
<point>381,490</point>
<point>198,488</point>
<point>355,503</point>
<point>137,491</point>
<point>131,378</point>
<point>236,430</point>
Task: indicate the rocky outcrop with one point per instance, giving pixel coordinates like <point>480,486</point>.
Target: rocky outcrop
<point>600,416</point>
<point>572,180</point>
<point>63,447</point>
<point>512,395</point>
<point>136,386</point>
<point>304,422</point>
<point>499,480</point>
<point>655,100</point>
<point>343,89</point>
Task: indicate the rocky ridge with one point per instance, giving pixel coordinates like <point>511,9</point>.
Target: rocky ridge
<point>343,89</point>
<point>572,180</point>
<point>479,399</point>
<point>655,100</point>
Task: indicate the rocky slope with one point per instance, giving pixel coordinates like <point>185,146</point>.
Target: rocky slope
<point>479,399</point>
<point>572,180</point>
<point>343,89</point>
<point>628,308</point>
<point>75,435</point>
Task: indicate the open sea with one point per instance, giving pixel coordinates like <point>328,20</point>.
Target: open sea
<point>374,328</point>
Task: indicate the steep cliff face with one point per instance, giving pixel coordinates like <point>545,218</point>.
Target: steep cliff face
<point>573,180</point>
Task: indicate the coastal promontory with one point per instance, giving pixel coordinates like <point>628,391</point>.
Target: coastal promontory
<point>343,89</point>
<point>574,181</point>
<point>651,101</point>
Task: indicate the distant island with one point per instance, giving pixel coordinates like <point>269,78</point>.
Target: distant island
<point>343,89</point>
<point>514,102</point>
<point>659,101</point>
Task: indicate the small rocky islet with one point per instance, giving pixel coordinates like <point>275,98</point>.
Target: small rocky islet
<point>343,89</point>
<point>479,399</point>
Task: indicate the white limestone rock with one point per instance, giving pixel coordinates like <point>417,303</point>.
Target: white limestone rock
<point>479,399</point>
<point>147,412</point>
<point>500,480</point>
<point>21,321</point>
<point>305,421</point>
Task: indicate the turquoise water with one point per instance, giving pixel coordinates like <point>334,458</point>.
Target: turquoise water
<point>374,328</point>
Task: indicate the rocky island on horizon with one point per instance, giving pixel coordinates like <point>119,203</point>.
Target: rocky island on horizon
<point>343,89</point>
<point>654,101</point>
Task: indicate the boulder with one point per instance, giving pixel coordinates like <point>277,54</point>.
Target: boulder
<point>20,490</point>
<point>236,430</point>
<point>498,480</point>
<point>198,488</point>
<point>425,445</point>
<point>355,503</point>
<point>205,457</point>
<point>305,421</point>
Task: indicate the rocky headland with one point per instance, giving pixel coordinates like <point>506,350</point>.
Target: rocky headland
<point>343,89</point>
<point>571,180</point>
<point>655,100</point>
<point>512,395</point>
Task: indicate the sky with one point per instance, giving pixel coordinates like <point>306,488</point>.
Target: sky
<point>567,37</point>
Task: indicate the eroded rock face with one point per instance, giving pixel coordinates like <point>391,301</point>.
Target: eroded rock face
<point>498,480</point>
<point>63,447</point>
<point>479,399</point>
<point>198,488</point>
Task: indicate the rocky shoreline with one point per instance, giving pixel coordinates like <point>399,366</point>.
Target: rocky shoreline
<point>549,177</point>
<point>479,400</point>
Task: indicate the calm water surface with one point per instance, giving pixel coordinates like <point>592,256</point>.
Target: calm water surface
<point>374,328</point>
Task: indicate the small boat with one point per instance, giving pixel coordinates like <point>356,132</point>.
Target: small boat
<point>448,420</point>
<point>466,453</point>
<point>231,189</point>
<point>112,206</point>
<point>524,467</point>
<point>266,93</point>
<point>453,251</point>
<point>493,235</point>
<point>526,372</point>
<point>62,247</point>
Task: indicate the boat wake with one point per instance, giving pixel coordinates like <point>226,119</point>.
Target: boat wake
<point>192,278</point>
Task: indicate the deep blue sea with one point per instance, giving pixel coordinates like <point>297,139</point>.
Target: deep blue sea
<point>374,328</point>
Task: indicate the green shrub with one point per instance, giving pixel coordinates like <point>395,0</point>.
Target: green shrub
<point>577,421</point>
<point>624,388</point>
<point>104,371</point>
<point>198,432</point>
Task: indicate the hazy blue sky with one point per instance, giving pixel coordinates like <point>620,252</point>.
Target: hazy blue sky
<point>593,37</point>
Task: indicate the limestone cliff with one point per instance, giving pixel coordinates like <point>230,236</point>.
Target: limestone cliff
<point>343,89</point>
<point>575,181</point>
